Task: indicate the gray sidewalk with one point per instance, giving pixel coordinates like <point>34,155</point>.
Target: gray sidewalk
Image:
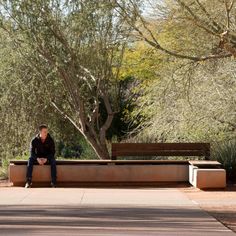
<point>103,211</point>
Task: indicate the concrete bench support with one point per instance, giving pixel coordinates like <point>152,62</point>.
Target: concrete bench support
<point>207,174</point>
<point>209,178</point>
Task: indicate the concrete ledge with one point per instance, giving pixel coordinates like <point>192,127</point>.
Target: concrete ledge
<point>201,174</point>
<point>209,178</point>
<point>92,173</point>
<point>192,178</point>
<point>110,162</point>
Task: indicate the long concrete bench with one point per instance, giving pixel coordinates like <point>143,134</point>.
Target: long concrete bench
<point>123,172</point>
<point>90,172</point>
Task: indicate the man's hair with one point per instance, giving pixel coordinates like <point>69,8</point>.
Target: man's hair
<point>42,126</point>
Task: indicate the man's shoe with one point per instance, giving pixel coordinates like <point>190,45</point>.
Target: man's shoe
<point>53,185</point>
<point>28,184</point>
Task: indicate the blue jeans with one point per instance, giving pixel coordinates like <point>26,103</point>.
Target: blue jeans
<point>33,160</point>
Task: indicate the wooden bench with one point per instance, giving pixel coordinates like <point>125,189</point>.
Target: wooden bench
<point>160,149</point>
<point>202,173</point>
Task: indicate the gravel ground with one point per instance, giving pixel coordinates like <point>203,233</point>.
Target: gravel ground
<point>221,204</point>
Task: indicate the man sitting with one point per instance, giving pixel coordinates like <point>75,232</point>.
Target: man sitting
<point>42,150</point>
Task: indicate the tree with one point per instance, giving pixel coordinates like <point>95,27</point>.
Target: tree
<point>196,106</point>
<point>78,45</point>
<point>214,19</point>
<point>181,101</point>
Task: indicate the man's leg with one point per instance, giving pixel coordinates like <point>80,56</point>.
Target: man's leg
<point>52,162</point>
<point>29,172</point>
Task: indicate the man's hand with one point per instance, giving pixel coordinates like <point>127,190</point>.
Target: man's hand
<point>41,161</point>
<point>44,160</point>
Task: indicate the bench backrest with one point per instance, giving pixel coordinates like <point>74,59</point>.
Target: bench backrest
<point>161,149</point>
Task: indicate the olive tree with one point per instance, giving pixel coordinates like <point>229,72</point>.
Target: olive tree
<point>77,45</point>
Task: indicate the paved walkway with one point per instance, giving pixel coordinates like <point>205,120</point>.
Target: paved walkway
<point>103,211</point>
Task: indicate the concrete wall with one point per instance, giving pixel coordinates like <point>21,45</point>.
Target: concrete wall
<point>104,173</point>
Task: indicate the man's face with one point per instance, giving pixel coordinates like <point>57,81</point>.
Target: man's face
<point>43,133</point>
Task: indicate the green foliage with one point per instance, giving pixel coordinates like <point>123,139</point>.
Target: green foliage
<point>87,151</point>
<point>225,153</point>
<point>74,50</point>
<point>180,100</point>
<point>75,149</point>
<point>4,168</point>
<point>157,98</point>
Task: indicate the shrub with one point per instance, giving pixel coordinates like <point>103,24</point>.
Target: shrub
<point>4,169</point>
<point>225,153</point>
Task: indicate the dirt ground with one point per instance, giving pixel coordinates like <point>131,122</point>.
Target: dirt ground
<point>221,204</point>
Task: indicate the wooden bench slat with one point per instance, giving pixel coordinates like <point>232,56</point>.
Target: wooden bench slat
<point>161,146</point>
<point>159,153</point>
<point>160,149</point>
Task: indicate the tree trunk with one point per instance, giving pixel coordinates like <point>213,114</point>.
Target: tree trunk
<point>100,149</point>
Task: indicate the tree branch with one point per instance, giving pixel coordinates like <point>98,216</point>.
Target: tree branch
<point>65,115</point>
<point>154,42</point>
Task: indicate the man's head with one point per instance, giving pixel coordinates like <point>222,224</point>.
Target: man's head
<point>43,131</point>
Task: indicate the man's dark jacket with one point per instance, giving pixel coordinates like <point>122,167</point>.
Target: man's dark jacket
<point>44,149</point>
